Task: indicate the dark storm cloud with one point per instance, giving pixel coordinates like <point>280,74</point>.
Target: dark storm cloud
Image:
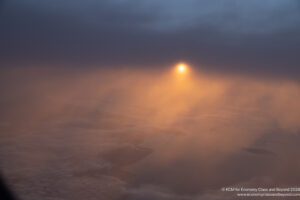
<point>232,36</point>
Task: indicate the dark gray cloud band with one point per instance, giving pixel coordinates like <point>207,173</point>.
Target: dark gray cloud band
<point>248,37</point>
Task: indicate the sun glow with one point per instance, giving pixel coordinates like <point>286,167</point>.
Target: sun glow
<point>181,67</point>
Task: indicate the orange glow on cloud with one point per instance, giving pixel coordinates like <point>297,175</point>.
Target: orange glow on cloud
<point>190,121</point>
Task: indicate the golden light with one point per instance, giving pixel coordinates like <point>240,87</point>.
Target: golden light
<point>181,67</point>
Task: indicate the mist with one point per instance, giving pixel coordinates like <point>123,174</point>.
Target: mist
<point>132,133</point>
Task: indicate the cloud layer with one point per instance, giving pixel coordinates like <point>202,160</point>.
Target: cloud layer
<point>91,107</point>
<point>130,134</point>
<point>233,36</point>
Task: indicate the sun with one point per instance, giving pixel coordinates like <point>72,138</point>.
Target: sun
<point>181,67</point>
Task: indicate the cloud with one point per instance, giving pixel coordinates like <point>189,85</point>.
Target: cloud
<point>234,37</point>
<point>89,78</point>
<point>152,193</point>
<point>258,151</point>
<point>187,137</point>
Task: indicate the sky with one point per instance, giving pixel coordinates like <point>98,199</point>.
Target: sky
<point>251,37</point>
<point>93,107</point>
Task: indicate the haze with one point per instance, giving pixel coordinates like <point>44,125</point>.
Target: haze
<point>93,106</point>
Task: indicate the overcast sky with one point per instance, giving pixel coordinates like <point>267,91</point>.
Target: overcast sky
<point>70,130</point>
<point>258,37</point>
